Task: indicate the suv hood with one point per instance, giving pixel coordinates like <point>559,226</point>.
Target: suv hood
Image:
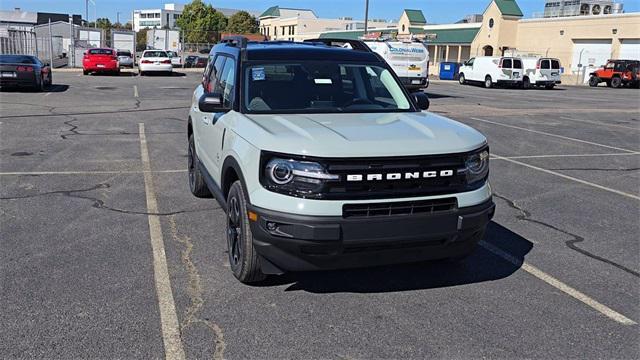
<point>361,135</point>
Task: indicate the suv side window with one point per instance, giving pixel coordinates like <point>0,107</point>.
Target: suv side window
<point>226,86</point>
<point>216,70</point>
<point>506,63</point>
<point>544,64</point>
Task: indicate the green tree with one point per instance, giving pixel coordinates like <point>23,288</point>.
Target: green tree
<point>200,22</point>
<point>103,23</point>
<point>242,23</point>
<point>141,40</point>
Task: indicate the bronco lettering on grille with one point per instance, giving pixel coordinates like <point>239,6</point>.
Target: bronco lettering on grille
<point>400,176</point>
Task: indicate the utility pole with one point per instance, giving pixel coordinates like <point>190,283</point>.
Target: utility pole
<point>118,18</point>
<point>366,17</point>
<point>50,46</point>
<point>86,11</point>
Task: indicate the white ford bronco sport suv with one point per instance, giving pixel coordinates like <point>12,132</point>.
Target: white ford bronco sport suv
<point>321,159</point>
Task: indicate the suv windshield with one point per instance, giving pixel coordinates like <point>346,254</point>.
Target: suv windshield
<point>314,87</point>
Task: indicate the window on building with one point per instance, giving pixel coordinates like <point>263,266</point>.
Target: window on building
<point>143,16</point>
<point>176,16</point>
<point>584,9</point>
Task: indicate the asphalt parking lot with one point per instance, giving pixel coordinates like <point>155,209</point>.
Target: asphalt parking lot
<point>82,165</point>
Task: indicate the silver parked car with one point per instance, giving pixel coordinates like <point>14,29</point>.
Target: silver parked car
<point>125,58</point>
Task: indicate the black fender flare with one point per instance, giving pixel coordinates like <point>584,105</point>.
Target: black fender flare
<point>231,163</point>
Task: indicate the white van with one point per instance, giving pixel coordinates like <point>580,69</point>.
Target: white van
<point>409,60</point>
<point>540,71</point>
<point>492,70</point>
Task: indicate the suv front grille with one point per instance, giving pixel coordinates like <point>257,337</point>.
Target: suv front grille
<point>399,208</point>
<point>382,189</point>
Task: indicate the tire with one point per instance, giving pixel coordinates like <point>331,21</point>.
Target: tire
<point>526,83</point>
<point>594,81</point>
<point>197,184</point>
<point>39,85</point>
<point>488,83</point>
<point>616,82</point>
<point>140,72</point>
<point>461,79</point>
<point>243,258</point>
<point>85,72</point>
<point>550,86</point>
<point>608,83</point>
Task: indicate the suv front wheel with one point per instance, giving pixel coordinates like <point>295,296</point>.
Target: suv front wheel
<point>243,259</point>
<point>196,181</point>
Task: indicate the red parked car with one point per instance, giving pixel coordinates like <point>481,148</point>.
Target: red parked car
<point>100,60</point>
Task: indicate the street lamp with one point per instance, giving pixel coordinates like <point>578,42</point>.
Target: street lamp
<point>366,17</point>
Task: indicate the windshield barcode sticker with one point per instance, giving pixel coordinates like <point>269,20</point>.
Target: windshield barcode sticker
<point>258,74</point>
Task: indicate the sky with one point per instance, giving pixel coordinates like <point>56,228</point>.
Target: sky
<point>436,11</point>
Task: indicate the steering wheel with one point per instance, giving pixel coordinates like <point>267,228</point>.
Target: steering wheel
<point>359,101</point>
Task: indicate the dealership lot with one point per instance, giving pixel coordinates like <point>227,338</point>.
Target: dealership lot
<point>82,266</point>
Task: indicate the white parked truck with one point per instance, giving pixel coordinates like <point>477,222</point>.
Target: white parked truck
<point>409,60</point>
<point>492,70</point>
<point>540,71</point>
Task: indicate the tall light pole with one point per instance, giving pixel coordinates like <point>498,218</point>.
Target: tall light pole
<point>118,18</point>
<point>366,17</point>
<point>86,11</point>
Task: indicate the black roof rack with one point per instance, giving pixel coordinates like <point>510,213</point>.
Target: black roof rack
<point>355,44</point>
<point>239,42</point>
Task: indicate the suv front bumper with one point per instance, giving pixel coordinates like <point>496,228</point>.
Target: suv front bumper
<point>304,243</point>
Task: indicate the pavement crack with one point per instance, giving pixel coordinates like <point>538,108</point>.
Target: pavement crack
<point>571,244</point>
<point>194,290</point>
<point>597,169</point>
<point>100,204</point>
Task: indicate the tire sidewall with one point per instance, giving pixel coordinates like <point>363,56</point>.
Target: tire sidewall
<point>461,79</point>
<point>193,157</point>
<point>488,82</point>
<point>616,82</point>
<point>245,269</point>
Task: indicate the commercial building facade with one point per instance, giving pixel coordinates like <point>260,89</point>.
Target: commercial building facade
<point>278,23</point>
<point>168,15</point>
<point>581,42</point>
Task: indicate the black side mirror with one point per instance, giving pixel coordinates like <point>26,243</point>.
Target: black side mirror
<point>211,103</point>
<point>421,100</point>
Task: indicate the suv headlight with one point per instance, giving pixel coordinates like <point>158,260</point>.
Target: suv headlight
<point>295,177</point>
<point>476,166</point>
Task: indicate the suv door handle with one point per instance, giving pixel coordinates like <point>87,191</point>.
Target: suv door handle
<point>206,120</point>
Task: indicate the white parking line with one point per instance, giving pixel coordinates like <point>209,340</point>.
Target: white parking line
<point>135,90</point>
<point>553,135</point>
<point>564,156</point>
<point>168,318</point>
<point>632,196</point>
<point>98,172</point>
<point>599,123</point>
<point>603,309</point>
